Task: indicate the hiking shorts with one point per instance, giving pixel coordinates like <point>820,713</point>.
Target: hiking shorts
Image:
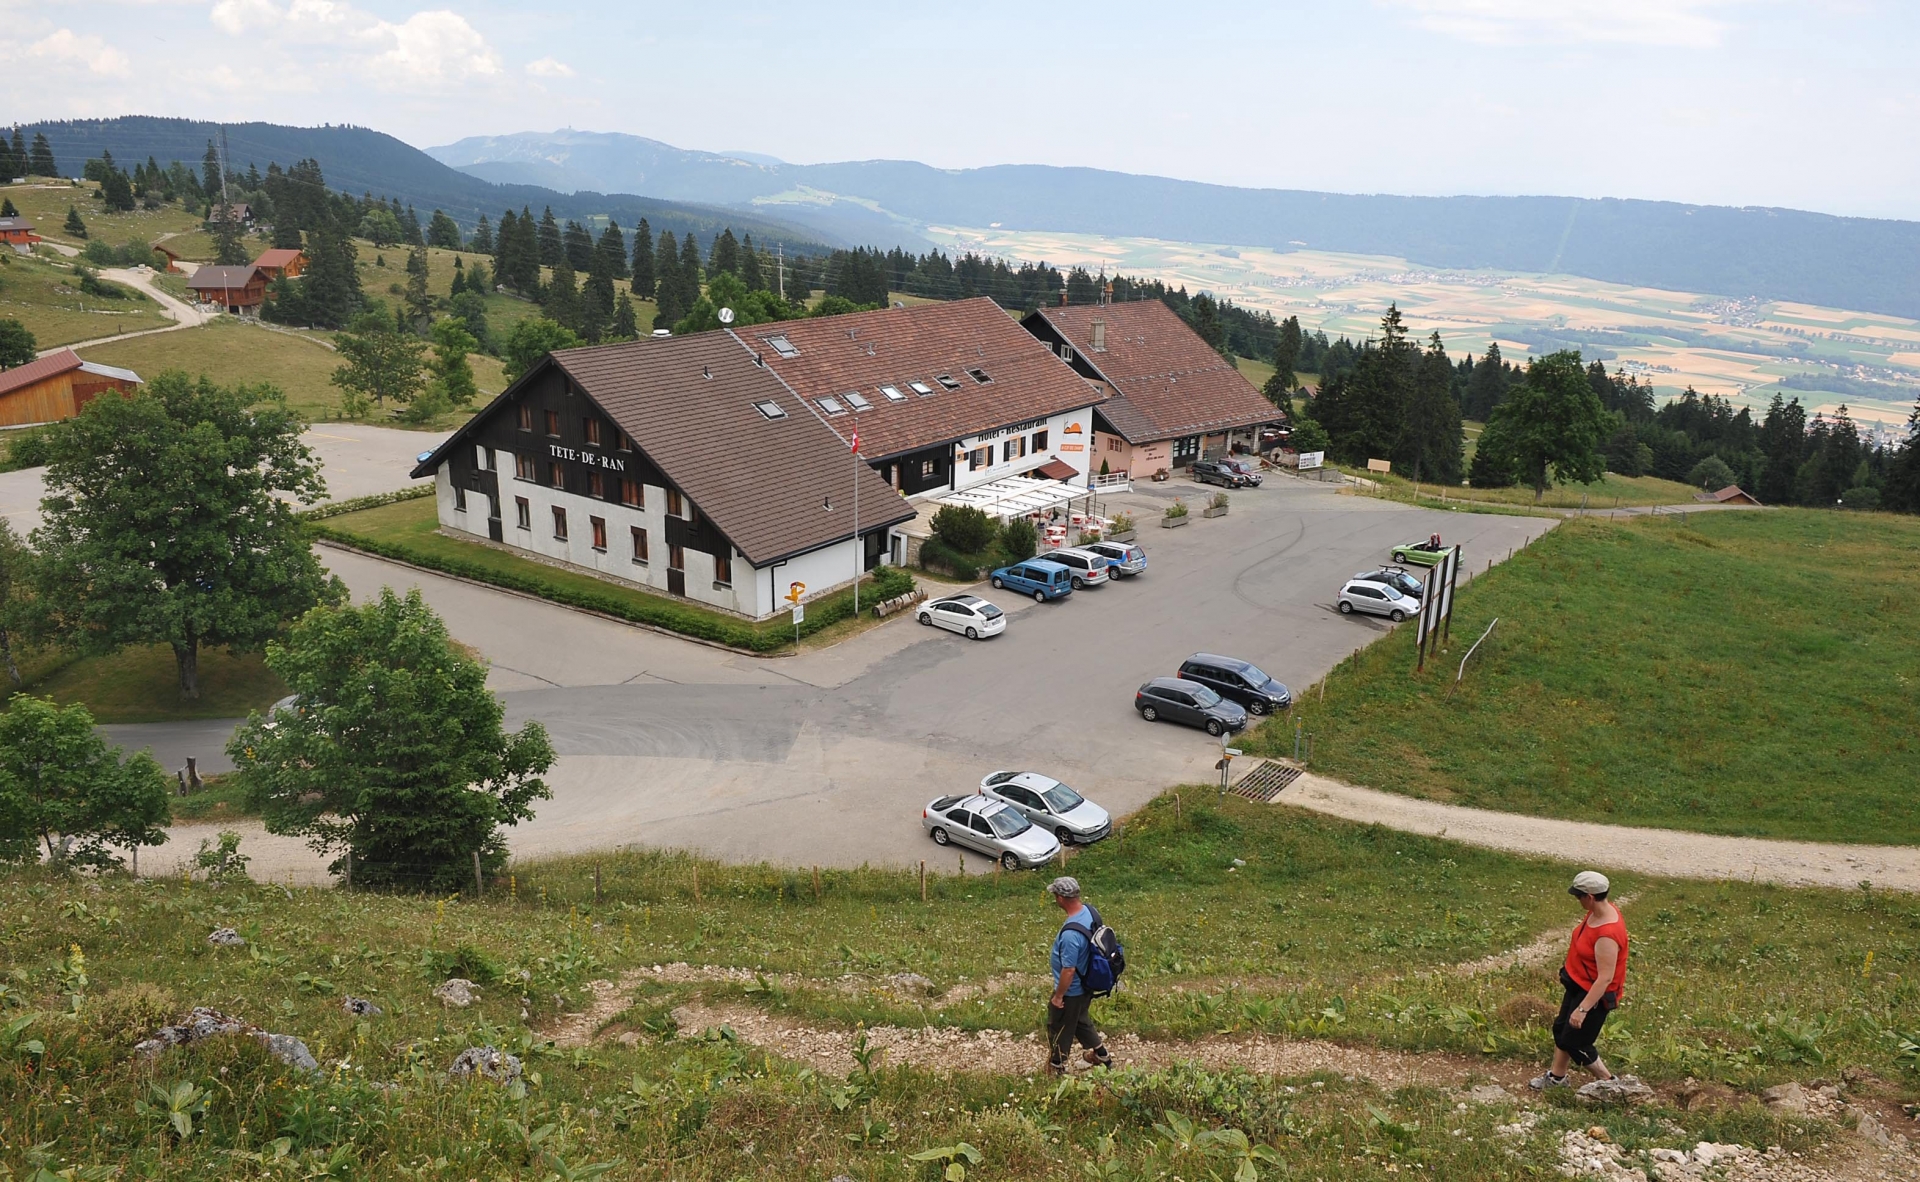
<point>1577,1041</point>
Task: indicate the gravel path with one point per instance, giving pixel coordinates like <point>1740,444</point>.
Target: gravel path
<point>1665,852</point>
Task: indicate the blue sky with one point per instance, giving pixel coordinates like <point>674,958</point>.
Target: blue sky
<point>1764,102</point>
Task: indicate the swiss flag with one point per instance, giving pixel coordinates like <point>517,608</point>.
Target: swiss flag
<point>856,439</point>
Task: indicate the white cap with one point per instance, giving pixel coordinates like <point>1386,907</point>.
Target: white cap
<point>1590,882</point>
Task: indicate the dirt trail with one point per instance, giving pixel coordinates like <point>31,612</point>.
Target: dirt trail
<point>1665,852</point>
<point>183,314</point>
<point>1542,949</point>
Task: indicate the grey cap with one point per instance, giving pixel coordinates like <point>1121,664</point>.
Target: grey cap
<point>1590,882</point>
<point>1065,887</point>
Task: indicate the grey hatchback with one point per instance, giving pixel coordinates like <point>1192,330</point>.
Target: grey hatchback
<point>1178,700</point>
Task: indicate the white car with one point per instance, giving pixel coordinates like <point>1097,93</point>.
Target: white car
<point>993,827</point>
<point>1377,599</point>
<point>969,615</point>
<point>1051,805</point>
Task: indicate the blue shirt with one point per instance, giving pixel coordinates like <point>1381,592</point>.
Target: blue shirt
<point>1070,949</point>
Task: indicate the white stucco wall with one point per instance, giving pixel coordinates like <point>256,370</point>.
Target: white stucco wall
<point>1069,438</point>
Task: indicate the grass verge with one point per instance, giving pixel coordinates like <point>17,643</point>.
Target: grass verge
<point>407,531</point>
<point>1609,492</point>
<point>142,684</point>
<point>1329,930</point>
<point>1740,673</point>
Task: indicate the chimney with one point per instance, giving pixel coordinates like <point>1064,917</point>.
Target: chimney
<point>1099,336</point>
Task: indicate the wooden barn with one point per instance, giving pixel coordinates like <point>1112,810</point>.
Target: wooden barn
<point>279,261</point>
<point>237,289</point>
<point>18,233</point>
<point>56,387</point>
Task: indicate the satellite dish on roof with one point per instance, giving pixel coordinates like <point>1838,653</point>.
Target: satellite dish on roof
<point>726,315</point>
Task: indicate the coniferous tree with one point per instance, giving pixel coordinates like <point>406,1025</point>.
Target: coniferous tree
<point>551,245</point>
<point>1487,386</point>
<point>578,243</point>
<point>724,258</point>
<point>20,165</point>
<point>331,284</point>
<point>228,248</point>
<point>670,304</point>
<point>116,192</point>
<point>625,326</point>
<point>505,246</point>
<point>528,252</point>
<point>560,296</point>
<point>1434,440</point>
<point>1286,352</point>
<point>482,237</point>
<point>689,271</point>
<point>443,231</point>
<point>751,273</point>
<point>8,210</point>
<point>410,231</point>
<point>40,159</point>
<point>210,172</point>
<point>419,309</point>
<point>643,269</point>
<point>286,236</point>
<point>611,251</point>
<point>74,226</point>
<point>1902,492</point>
<point>1783,435</point>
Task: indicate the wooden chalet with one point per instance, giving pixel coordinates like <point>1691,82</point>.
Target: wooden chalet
<point>18,233</point>
<point>237,289</point>
<point>280,262</point>
<point>57,386</point>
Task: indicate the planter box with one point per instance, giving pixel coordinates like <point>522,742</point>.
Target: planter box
<point>1210,511</point>
<point>1124,535</point>
<point>1174,522</point>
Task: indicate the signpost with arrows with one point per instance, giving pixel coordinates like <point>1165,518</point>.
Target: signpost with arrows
<point>794,593</point>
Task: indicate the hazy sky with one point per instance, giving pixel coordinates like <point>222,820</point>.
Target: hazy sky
<point>1765,102</point>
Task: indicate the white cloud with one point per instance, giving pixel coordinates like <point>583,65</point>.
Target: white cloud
<point>1664,23</point>
<point>424,51</point>
<point>64,45</point>
<point>549,67</point>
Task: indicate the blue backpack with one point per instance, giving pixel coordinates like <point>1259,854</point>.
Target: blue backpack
<point>1106,959</point>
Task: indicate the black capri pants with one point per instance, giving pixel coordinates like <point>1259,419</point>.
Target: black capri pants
<point>1577,1041</point>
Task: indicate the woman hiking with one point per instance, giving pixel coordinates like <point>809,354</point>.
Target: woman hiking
<point>1594,975</point>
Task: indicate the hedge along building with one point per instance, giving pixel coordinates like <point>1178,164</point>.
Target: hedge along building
<point>682,465</point>
<point>945,397</point>
<point>1171,398</point>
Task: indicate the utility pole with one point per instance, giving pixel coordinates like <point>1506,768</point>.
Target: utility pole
<point>780,267</point>
<point>859,548</point>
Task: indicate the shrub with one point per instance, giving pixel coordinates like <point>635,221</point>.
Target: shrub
<point>963,528</point>
<point>1219,501</point>
<point>1711,473</point>
<point>1122,522</point>
<point>1861,496</point>
<point>1019,540</point>
<point>25,449</point>
<point>1177,509</point>
<point>1309,435</point>
<point>937,555</point>
<point>126,1014</point>
<point>890,582</point>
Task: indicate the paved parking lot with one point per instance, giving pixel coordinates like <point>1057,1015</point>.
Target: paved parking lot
<point>827,758</point>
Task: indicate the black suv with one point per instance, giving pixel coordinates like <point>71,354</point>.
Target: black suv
<point>1217,472</point>
<point>1238,681</point>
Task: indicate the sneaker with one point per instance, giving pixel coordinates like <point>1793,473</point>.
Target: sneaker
<point>1546,1080</point>
<point>1056,1068</point>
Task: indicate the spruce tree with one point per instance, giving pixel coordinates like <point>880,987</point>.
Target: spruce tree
<point>560,296</point>
<point>1286,351</point>
<point>20,163</point>
<point>1434,443</point>
<point>751,272</point>
<point>1487,387</point>
<point>443,231</point>
<point>625,326</point>
<point>40,159</point>
<point>667,287</point>
<point>528,276</point>
<point>74,226</point>
<point>228,248</point>
<point>332,280</point>
<point>482,242</point>
<point>551,246</point>
<point>116,192</point>
<point>689,271</point>
<point>210,172</point>
<point>419,303</point>
<point>643,272</point>
<point>7,209</point>
<point>724,258</point>
<point>505,246</point>
<point>611,251</point>
<point>578,243</point>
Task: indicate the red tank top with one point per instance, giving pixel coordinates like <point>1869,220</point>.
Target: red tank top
<point>1580,960</point>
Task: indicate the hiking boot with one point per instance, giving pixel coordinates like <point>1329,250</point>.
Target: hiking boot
<point>1098,1057</point>
<point>1056,1068</point>
<point>1546,1080</point>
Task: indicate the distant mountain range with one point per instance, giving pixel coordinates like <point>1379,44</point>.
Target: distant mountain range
<point>359,160</point>
<point>1781,254</point>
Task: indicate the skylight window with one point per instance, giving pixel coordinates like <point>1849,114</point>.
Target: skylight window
<point>857,400</point>
<point>979,375</point>
<point>893,393</point>
<point>921,388</point>
<point>948,380</point>
<point>781,345</point>
<point>770,409</point>
<point>832,406</point>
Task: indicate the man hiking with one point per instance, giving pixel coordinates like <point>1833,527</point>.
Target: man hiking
<point>1067,1017</point>
<point>1593,977</point>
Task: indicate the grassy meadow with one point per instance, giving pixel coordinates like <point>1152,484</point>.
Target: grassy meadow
<point>1749,673</point>
<point>1611,491</point>
<point>45,296</point>
<point>142,684</point>
<point>1330,930</point>
<point>47,203</point>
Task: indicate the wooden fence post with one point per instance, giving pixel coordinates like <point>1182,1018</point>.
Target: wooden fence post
<point>696,882</point>
<point>923,880</point>
<point>479,884</point>
<point>816,884</point>
<point>596,884</point>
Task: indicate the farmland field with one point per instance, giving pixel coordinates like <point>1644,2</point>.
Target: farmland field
<point>1740,348</point>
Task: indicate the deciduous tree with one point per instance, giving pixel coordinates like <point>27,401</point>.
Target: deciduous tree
<point>1552,424</point>
<point>17,346</point>
<point>382,361</point>
<point>169,519</point>
<point>393,749</point>
<point>532,339</point>
<point>65,792</point>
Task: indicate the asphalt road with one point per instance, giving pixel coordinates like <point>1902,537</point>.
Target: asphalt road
<point>828,757</point>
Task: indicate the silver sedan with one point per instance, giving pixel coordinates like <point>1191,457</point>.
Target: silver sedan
<point>1051,805</point>
<point>993,827</point>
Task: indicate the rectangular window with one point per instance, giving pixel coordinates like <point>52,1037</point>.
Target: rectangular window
<point>926,469</point>
<point>599,525</point>
<point>979,375</point>
<point>625,443</point>
<point>596,486</point>
<point>920,388</point>
<point>639,546</point>
<point>591,427</point>
<point>559,524</point>
<point>676,556</point>
<point>1013,449</point>
<point>831,405</point>
<point>522,513</point>
<point>673,502</point>
<point>1113,443</point>
<point>893,394</point>
<point>526,417</point>
<point>1039,441</point>
<point>522,467</point>
<point>856,400</point>
<point>770,409</point>
<point>947,380</point>
<point>553,423</point>
<point>978,458</point>
<point>723,571</point>
<point>1066,352</point>
<point>459,497</point>
<point>557,474</point>
<point>631,493</point>
<point>483,456</point>
<point>782,345</point>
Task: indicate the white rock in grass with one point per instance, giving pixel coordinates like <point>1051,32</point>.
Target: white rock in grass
<point>487,1063</point>
<point>456,992</point>
<point>1621,1089</point>
<point>226,938</point>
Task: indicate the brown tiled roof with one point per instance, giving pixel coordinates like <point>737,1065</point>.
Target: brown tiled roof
<point>762,482</point>
<point>862,351</point>
<point>1172,383</point>
<point>277,257</point>
<point>15,223</point>
<point>211,278</point>
<point>38,370</point>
